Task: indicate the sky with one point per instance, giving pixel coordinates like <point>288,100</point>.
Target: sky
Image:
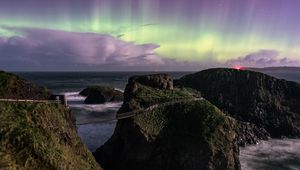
<point>139,35</point>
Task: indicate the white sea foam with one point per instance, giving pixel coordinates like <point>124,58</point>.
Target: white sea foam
<point>93,135</point>
<point>98,107</point>
<point>274,154</point>
<point>119,90</point>
<point>74,96</point>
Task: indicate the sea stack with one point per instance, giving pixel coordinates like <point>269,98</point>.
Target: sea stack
<point>187,135</point>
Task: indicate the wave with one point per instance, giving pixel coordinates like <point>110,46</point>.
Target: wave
<point>279,154</point>
<point>98,107</point>
<point>74,96</point>
<point>119,90</point>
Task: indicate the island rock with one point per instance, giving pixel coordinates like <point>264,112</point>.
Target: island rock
<point>101,94</point>
<point>188,133</point>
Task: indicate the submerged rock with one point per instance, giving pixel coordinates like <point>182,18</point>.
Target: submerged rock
<point>15,87</point>
<point>185,135</point>
<point>101,94</point>
<point>267,102</point>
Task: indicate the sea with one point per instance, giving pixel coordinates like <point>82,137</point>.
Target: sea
<point>275,154</point>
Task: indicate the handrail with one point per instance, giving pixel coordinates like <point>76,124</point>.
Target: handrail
<point>33,101</point>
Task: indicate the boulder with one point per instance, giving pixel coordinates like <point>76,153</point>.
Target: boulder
<point>101,94</point>
<point>190,134</point>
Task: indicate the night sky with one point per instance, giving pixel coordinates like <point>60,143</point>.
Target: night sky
<point>148,34</point>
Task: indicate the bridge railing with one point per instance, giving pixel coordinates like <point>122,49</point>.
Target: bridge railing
<point>139,111</point>
<point>52,99</point>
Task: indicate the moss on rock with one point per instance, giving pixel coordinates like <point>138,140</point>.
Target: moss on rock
<point>40,136</point>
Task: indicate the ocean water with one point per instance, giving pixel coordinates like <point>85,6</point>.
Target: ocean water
<point>71,83</point>
<point>267,155</point>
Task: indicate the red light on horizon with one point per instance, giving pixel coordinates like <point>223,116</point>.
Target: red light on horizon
<point>238,67</point>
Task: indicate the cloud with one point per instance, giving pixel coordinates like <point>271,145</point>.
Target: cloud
<point>39,48</point>
<point>263,58</point>
<point>34,49</point>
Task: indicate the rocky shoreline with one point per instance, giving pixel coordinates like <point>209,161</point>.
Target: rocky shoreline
<point>239,108</point>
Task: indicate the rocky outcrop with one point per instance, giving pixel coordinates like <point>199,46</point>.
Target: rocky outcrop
<point>270,104</point>
<point>40,136</point>
<point>101,94</point>
<point>249,133</point>
<point>15,87</point>
<point>187,135</point>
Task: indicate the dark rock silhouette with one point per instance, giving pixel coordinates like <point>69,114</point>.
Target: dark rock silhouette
<point>269,104</point>
<point>101,94</point>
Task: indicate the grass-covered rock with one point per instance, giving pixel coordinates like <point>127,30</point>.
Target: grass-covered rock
<point>267,102</point>
<point>15,87</point>
<point>186,135</point>
<point>101,94</point>
<point>40,136</point>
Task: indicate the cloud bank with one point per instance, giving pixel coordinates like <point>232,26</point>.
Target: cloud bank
<point>263,58</point>
<point>52,50</point>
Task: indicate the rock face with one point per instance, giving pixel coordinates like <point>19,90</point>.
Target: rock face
<point>264,101</point>
<point>101,94</point>
<point>40,136</point>
<point>187,135</point>
<point>249,133</point>
<point>15,87</point>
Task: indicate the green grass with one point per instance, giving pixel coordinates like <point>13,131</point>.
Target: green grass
<point>194,130</point>
<point>40,136</point>
<point>146,96</point>
<point>203,122</point>
<point>13,86</point>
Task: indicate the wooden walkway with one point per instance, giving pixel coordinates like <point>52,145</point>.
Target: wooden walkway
<point>140,111</point>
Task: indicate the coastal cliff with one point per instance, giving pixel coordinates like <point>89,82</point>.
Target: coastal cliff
<point>37,135</point>
<point>15,87</point>
<point>186,135</point>
<point>263,102</point>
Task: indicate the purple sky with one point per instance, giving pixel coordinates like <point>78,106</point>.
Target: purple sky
<point>114,35</point>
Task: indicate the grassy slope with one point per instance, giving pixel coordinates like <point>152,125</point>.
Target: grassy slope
<point>13,86</point>
<point>186,127</point>
<point>190,134</point>
<point>39,136</point>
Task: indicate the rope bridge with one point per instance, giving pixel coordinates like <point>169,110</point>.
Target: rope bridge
<point>60,99</point>
<point>140,111</point>
<point>30,101</point>
<point>118,116</point>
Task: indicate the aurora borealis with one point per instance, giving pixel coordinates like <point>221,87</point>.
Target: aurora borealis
<point>203,31</point>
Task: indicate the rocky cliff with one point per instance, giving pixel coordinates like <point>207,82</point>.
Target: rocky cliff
<point>15,87</point>
<point>101,94</point>
<point>269,104</point>
<point>186,135</point>
<point>40,136</point>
